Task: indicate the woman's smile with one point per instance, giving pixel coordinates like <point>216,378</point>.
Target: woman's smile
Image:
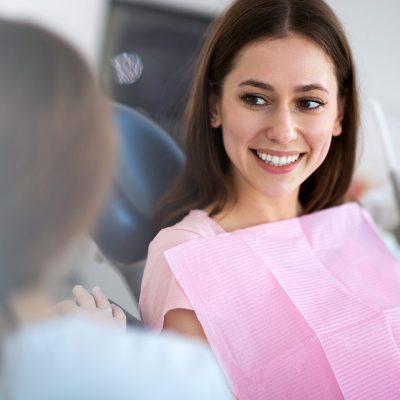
<point>277,162</point>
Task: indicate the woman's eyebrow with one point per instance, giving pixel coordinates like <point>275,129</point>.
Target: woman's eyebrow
<point>267,86</point>
<point>310,87</point>
<point>257,84</point>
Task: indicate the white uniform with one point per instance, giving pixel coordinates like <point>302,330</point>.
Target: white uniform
<point>72,358</point>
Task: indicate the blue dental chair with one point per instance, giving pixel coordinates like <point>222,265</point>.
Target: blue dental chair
<point>149,161</point>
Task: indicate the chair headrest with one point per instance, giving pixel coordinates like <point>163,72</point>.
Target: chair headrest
<point>149,161</point>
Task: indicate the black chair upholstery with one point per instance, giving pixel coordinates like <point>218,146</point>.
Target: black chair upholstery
<point>149,161</point>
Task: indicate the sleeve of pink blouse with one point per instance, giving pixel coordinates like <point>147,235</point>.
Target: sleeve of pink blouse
<point>160,292</point>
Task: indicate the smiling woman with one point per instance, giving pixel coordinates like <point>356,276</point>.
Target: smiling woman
<point>271,128</point>
<point>271,133</point>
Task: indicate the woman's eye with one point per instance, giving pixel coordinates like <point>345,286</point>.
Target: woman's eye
<point>253,100</point>
<point>310,104</point>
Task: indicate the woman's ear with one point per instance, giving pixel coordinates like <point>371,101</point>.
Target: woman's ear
<point>215,113</point>
<point>337,128</point>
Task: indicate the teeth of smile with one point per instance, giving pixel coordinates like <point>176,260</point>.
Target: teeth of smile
<point>277,161</point>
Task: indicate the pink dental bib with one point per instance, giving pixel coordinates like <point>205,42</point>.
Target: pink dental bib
<point>307,308</point>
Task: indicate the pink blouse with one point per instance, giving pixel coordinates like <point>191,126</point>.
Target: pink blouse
<point>160,292</point>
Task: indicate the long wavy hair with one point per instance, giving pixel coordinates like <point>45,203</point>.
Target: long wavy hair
<point>204,181</point>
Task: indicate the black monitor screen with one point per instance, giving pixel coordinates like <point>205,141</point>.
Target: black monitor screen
<point>150,56</point>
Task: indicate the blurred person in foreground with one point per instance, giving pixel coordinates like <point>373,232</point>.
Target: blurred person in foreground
<point>57,151</point>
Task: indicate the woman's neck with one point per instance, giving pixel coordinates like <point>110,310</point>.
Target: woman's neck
<point>254,209</point>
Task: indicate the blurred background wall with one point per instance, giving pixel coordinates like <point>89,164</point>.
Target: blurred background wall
<point>80,21</point>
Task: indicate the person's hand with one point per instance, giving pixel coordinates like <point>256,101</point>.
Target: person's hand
<point>93,304</point>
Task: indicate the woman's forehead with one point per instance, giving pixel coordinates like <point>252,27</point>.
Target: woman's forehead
<point>290,61</point>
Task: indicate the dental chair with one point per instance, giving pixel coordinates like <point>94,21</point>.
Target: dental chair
<point>149,161</point>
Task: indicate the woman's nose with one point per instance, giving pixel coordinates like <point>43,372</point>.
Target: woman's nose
<point>281,127</point>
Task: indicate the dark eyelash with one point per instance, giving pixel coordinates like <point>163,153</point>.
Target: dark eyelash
<point>245,98</point>
<point>318,101</point>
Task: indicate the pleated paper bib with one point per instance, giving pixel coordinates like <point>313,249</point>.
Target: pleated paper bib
<point>306,308</point>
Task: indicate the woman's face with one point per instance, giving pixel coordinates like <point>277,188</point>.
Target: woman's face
<point>278,111</point>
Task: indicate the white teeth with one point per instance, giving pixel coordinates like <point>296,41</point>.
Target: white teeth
<point>277,161</point>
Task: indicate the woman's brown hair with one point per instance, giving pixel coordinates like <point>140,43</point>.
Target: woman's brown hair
<point>56,151</point>
<point>203,182</point>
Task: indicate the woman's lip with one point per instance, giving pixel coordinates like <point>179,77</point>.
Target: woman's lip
<point>278,153</point>
<point>277,170</point>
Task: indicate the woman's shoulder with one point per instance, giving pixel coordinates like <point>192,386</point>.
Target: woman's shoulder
<point>194,225</point>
